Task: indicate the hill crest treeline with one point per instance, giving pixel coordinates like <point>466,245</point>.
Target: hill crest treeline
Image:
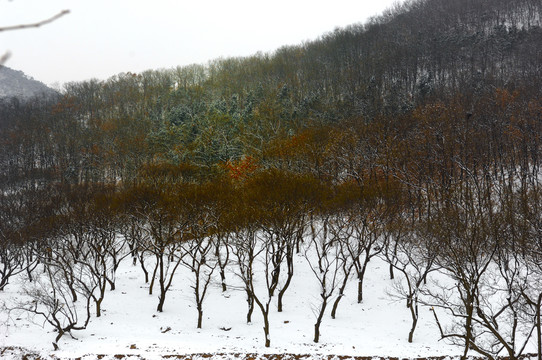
<point>416,53</point>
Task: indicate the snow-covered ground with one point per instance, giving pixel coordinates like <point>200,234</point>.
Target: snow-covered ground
<point>130,325</point>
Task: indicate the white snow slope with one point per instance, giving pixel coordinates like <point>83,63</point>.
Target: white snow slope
<point>130,325</point>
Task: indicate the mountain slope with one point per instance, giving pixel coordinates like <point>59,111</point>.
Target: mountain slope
<point>14,83</point>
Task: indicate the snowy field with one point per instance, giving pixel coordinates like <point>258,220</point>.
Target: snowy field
<point>130,325</point>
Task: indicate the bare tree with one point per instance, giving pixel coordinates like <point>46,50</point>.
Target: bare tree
<point>199,260</point>
<point>50,298</point>
<point>327,266</point>
<point>197,245</point>
<point>245,248</point>
<point>414,258</point>
<point>341,233</point>
<point>11,261</point>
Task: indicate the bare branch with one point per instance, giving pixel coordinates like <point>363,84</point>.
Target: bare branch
<point>4,58</point>
<point>34,25</point>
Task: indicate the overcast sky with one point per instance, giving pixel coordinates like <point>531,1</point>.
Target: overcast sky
<point>100,38</point>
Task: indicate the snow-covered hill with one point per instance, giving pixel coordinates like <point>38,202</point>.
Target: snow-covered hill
<point>131,328</point>
<point>14,83</point>
<point>130,324</point>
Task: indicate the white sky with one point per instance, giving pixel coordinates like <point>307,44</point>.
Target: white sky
<point>100,38</point>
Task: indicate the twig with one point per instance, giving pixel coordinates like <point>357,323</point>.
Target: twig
<point>438,323</point>
<point>34,25</point>
<point>4,58</point>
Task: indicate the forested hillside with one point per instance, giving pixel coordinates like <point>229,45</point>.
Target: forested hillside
<point>418,53</point>
<point>414,138</point>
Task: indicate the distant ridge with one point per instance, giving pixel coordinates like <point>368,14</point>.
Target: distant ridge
<point>15,83</point>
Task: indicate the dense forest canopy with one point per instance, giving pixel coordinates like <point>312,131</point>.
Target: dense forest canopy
<point>415,133</point>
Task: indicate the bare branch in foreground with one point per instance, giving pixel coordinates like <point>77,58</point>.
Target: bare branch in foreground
<point>35,25</point>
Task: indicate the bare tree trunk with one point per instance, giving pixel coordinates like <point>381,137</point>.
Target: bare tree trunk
<point>161,280</point>
<point>3,283</point>
<point>58,337</point>
<point>468,328</point>
<point>360,289</point>
<point>112,286</point>
<point>200,316</point>
<point>223,279</point>
<point>100,299</point>
<point>151,286</point>
<point>265,314</point>
<point>414,313</point>
<point>161,300</point>
<point>99,307</point>
<point>290,264</point>
<point>30,269</point>
<point>266,329</point>
<point>319,319</point>
<point>250,301</point>
<point>361,276</point>
<point>341,293</point>
<point>222,265</point>
<point>145,271</point>
<point>74,294</point>
<point>69,281</point>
